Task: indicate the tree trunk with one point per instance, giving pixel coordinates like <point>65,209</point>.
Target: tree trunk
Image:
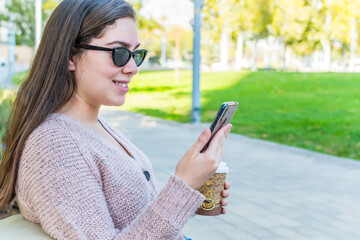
<point>177,58</point>
<point>163,51</point>
<point>353,44</point>
<point>343,60</point>
<point>282,58</point>
<point>325,42</point>
<point>224,48</point>
<point>254,67</point>
<point>287,57</point>
<point>239,51</point>
<point>327,53</point>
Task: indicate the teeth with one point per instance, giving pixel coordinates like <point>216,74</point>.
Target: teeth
<point>121,84</point>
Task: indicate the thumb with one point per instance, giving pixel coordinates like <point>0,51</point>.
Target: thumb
<point>201,141</point>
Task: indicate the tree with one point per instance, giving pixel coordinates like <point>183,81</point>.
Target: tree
<point>23,12</point>
<point>260,15</point>
<point>344,27</point>
<point>212,26</point>
<point>238,15</point>
<point>296,24</point>
<point>150,31</point>
<point>234,17</point>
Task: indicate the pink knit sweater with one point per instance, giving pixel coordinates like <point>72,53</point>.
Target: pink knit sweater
<point>79,186</point>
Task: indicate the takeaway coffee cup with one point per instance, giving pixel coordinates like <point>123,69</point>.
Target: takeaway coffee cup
<point>212,190</point>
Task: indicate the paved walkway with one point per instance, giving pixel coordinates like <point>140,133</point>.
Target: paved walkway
<point>277,192</point>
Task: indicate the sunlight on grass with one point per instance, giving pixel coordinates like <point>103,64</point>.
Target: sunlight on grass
<point>318,111</point>
<point>157,93</point>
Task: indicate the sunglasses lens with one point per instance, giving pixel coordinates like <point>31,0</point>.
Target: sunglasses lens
<point>121,56</point>
<point>139,56</point>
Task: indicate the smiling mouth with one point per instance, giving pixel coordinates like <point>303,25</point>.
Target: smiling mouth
<point>120,84</point>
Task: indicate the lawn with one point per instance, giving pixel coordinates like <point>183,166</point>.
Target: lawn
<point>317,111</point>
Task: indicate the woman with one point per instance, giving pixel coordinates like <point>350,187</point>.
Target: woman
<point>71,171</point>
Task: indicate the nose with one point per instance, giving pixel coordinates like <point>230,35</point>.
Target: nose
<point>130,67</point>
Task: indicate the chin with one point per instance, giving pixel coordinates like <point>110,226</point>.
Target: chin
<point>118,103</point>
<point>114,102</point>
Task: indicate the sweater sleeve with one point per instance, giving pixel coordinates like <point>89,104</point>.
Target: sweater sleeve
<point>62,188</point>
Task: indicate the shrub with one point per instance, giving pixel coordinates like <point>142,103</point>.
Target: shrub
<point>19,78</point>
<point>7,98</point>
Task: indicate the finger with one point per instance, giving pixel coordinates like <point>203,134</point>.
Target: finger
<point>216,147</point>
<point>200,142</point>
<point>225,193</point>
<point>220,136</point>
<point>226,129</point>
<point>224,202</point>
<point>227,185</point>
<point>220,152</point>
<point>223,211</point>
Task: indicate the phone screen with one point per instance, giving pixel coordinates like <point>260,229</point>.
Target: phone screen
<point>223,117</point>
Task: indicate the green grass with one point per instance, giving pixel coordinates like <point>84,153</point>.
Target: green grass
<point>318,111</point>
<point>19,78</point>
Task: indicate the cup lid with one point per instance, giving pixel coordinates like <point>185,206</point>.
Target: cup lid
<point>222,168</point>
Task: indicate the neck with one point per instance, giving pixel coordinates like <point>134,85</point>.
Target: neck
<point>80,110</point>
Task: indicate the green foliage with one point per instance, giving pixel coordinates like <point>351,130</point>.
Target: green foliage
<point>229,18</point>
<point>317,111</point>
<point>150,30</point>
<point>23,12</point>
<point>260,17</point>
<point>7,98</point>
<point>295,22</point>
<point>343,12</point>
<point>303,25</point>
<point>252,16</point>
<point>213,18</point>
<point>19,78</point>
<point>137,4</point>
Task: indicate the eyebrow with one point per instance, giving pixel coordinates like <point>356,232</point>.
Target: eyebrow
<point>125,44</point>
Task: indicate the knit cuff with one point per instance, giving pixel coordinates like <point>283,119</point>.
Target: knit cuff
<point>178,202</point>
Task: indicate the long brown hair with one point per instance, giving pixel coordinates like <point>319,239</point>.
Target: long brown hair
<point>49,84</point>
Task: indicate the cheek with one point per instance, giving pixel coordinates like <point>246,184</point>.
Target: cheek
<point>102,69</point>
<point>96,72</point>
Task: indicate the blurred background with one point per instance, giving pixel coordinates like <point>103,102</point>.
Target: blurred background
<point>303,35</point>
<point>292,65</point>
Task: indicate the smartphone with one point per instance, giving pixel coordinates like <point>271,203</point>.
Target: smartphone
<point>223,117</point>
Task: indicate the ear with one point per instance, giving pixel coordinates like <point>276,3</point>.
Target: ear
<point>72,65</point>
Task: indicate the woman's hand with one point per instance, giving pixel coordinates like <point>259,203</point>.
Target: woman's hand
<point>194,167</point>
<point>225,193</point>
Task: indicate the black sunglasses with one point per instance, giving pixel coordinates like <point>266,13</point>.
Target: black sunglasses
<point>120,55</point>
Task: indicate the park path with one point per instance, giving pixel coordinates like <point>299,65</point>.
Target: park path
<point>277,192</point>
